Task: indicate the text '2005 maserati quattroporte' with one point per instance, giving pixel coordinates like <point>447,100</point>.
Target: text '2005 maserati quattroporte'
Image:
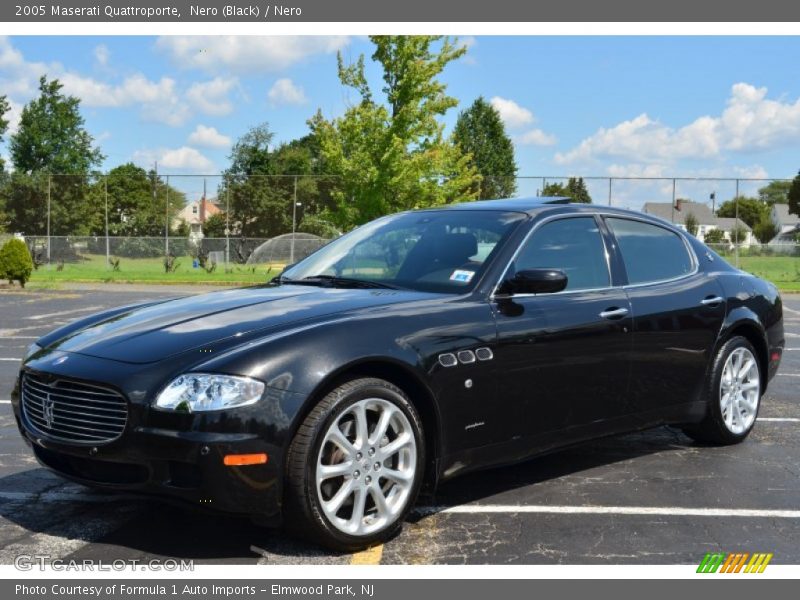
<point>415,348</point>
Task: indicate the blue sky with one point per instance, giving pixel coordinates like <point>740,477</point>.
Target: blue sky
<point>656,106</point>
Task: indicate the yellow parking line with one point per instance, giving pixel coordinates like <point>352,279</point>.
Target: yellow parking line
<point>370,556</point>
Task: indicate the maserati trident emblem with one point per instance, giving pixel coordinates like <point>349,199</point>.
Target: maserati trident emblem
<point>48,407</point>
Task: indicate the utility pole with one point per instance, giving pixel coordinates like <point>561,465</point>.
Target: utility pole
<point>295,204</point>
<point>736,225</point>
<point>49,181</point>
<point>105,192</point>
<point>673,201</point>
<point>166,221</point>
<point>713,198</point>
<point>227,225</point>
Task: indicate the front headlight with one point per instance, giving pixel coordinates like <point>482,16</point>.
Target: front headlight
<point>204,391</point>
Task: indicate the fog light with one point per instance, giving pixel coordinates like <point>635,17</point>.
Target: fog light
<point>238,460</point>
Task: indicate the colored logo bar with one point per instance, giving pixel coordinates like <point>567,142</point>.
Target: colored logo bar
<point>734,562</point>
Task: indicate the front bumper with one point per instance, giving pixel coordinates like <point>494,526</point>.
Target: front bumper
<point>178,457</point>
<point>173,465</point>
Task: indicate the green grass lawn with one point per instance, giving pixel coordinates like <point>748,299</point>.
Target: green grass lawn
<point>151,270</point>
<point>783,271</point>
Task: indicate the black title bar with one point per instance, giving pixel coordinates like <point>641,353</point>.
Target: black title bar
<point>406,11</point>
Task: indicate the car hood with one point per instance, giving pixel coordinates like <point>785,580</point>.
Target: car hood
<point>156,332</point>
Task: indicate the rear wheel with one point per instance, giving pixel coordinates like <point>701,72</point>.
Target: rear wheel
<point>733,393</point>
<point>355,466</point>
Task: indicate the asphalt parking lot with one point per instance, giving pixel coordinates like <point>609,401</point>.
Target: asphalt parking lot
<point>650,497</point>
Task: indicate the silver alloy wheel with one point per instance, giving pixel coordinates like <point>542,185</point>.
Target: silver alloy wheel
<point>739,391</point>
<point>366,467</point>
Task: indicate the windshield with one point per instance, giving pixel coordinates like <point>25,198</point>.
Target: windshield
<point>435,251</point>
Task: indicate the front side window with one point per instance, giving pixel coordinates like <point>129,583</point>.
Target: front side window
<point>573,245</point>
<point>437,251</point>
<point>651,253</point>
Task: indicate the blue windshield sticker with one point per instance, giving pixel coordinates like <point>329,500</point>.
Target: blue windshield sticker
<point>462,276</point>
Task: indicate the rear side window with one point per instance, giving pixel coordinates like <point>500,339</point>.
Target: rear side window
<point>573,245</point>
<point>651,253</point>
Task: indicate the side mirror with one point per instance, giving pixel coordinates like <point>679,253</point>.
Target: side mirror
<point>535,281</point>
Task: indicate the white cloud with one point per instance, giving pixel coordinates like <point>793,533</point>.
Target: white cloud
<point>246,54</point>
<point>209,137</point>
<point>184,159</point>
<point>513,115</point>
<point>102,54</point>
<point>211,97</point>
<point>637,170</point>
<point>160,100</point>
<point>284,91</point>
<point>537,137</point>
<point>12,116</point>
<point>749,122</point>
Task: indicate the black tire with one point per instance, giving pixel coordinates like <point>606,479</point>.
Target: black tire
<point>712,429</point>
<point>303,513</point>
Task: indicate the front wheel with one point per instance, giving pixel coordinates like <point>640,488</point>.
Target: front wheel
<point>733,392</point>
<point>355,466</point>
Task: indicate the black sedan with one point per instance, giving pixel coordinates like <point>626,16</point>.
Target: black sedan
<point>415,348</point>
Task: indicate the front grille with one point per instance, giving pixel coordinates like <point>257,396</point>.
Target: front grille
<point>73,412</point>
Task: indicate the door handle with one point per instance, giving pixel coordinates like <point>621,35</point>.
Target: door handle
<point>711,301</point>
<point>614,313</point>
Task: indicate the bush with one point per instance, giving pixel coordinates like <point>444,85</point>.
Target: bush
<point>140,248</point>
<point>15,261</point>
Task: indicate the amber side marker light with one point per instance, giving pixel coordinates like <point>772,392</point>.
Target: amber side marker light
<point>238,460</point>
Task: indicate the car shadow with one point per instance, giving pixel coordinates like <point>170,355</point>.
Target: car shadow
<point>140,529</point>
<point>573,460</point>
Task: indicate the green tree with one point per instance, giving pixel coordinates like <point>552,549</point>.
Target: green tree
<point>555,190</point>
<point>51,136</point>
<point>4,108</point>
<point>214,227</point>
<point>714,236</point>
<point>738,234</point>
<point>794,196</point>
<point>775,192</point>
<point>765,230</point>
<point>750,210</point>
<point>137,202</point>
<point>575,189</point>
<point>692,226</point>
<point>391,155</point>
<point>54,157</point>
<point>15,261</point>
<point>260,197</point>
<point>480,133</point>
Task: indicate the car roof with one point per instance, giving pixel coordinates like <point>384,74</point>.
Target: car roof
<point>550,205</point>
<point>535,204</point>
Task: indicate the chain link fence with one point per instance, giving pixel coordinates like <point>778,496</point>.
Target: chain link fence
<point>130,217</point>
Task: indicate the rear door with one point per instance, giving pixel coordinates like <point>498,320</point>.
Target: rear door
<point>678,311</point>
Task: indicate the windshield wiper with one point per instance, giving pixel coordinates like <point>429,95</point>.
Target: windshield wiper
<point>335,281</point>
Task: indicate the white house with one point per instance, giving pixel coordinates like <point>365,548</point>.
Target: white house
<point>706,220</point>
<point>788,226</point>
<point>195,214</point>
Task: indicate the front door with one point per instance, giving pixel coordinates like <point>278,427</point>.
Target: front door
<point>563,359</point>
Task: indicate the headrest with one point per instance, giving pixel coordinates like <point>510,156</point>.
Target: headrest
<point>456,248</point>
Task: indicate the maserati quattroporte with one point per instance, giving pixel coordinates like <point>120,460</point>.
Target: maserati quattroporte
<point>417,347</point>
